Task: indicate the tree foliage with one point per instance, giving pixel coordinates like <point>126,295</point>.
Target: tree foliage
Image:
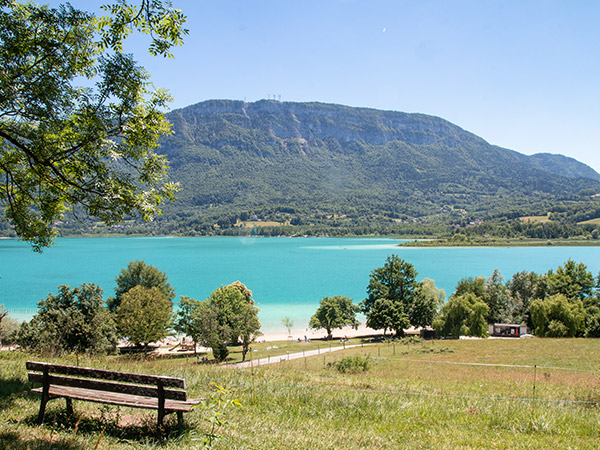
<point>185,323</point>
<point>138,273</point>
<point>463,315</point>
<point>386,315</point>
<point>10,328</point>
<point>249,325</point>
<point>79,120</point>
<point>71,320</point>
<point>228,316</point>
<point>495,297</point>
<point>391,293</point>
<point>214,334</point>
<point>572,280</point>
<point>557,316</point>
<point>334,312</point>
<point>428,299</point>
<point>144,315</point>
<point>522,289</point>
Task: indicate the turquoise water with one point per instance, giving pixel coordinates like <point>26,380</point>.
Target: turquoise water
<point>288,276</point>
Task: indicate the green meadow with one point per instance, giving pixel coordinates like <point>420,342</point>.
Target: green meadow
<point>453,394</point>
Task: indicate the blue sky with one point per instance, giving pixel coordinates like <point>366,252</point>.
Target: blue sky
<point>521,74</point>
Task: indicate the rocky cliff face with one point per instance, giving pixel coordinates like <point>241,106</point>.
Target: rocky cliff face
<point>311,121</point>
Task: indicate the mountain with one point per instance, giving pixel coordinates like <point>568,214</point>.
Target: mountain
<point>563,165</point>
<point>313,162</point>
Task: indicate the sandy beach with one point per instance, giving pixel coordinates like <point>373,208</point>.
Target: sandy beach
<point>297,334</point>
<point>338,333</point>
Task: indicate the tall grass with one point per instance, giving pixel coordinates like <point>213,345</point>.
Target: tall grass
<point>414,397</point>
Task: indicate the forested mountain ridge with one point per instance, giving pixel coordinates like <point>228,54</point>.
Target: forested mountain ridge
<point>563,165</point>
<point>321,159</point>
<point>276,168</point>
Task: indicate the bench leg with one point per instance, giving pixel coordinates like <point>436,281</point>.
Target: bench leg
<point>161,416</point>
<point>43,402</point>
<point>180,418</point>
<point>45,396</point>
<point>69,406</point>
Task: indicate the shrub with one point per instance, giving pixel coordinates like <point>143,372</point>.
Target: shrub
<point>352,364</point>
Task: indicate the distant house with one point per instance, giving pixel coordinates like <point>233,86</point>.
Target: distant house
<point>507,330</point>
<point>422,332</point>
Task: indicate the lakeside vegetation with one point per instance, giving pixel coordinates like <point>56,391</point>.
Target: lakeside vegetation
<point>563,224</point>
<point>499,242</point>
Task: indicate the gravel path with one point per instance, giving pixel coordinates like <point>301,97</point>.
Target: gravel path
<point>289,357</point>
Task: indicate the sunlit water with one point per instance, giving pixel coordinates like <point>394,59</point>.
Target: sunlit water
<point>288,276</point>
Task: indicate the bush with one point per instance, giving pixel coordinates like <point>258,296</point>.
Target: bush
<point>352,364</point>
<point>8,330</point>
<point>72,320</point>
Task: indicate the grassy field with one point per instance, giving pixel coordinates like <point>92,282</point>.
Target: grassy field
<point>472,394</point>
<point>258,224</point>
<point>536,219</point>
<point>590,222</point>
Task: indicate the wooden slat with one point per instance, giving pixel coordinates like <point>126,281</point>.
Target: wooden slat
<point>107,386</point>
<point>113,398</point>
<point>106,374</point>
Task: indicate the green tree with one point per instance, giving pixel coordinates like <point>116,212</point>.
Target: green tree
<point>138,273</point>
<point>473,285</point>
<point>572,280</point>
<point>428,299</point>
<point>228,316</point>
<point>463,315</point>
<point>592,312</point>
<point>249,325</point>
<point>144,316</point>
<point>494,294</point>
<point>592,321</point>
<point>387,315</point>
<point>72,320</point>
<point>230,303</point>
<point>395,283</point>
<point>185,322</point>
<point>558,316</point>
<point>522,289</point>
<point>10,328</point>
<point>334,312</point>
<point>214,334</point>
<point>79,121</point>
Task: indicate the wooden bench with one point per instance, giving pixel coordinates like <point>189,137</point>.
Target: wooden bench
<point>165,394</point>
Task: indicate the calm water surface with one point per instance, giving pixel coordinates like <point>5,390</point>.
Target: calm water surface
<point>287,276</point>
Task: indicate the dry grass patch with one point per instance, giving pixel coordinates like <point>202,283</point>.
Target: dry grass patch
<point>536,219</point>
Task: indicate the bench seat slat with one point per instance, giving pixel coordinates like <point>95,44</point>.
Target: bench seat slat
<point>107,386</point>
<point>113,398</point>
<point>138,378</point>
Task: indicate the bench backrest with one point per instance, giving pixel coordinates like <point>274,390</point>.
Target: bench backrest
<point>107,380</point>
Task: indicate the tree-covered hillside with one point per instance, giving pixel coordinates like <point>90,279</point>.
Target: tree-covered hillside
<point>278,168</point>
<point>314,163</point>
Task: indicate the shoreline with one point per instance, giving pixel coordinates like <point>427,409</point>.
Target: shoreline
<point>338,333</point>
<point>297,335</point>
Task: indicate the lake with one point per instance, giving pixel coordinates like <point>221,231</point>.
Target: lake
<point>288,276</point>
